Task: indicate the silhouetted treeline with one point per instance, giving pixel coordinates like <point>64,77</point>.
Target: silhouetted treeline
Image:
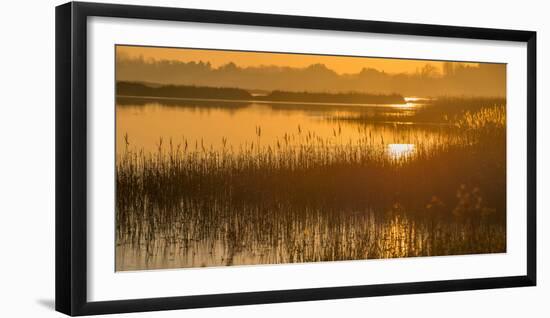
<point>348,98</point>
<point>181,91</point>
<point>455,78</point>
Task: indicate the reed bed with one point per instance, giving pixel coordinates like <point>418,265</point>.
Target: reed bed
<point>304,198</point>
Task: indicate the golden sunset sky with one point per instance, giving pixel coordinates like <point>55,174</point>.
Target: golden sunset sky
<point>217,58</point>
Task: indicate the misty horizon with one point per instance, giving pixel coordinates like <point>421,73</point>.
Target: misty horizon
<point>452,79</point>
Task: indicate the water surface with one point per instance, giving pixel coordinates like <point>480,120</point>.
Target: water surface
<point>213,124</point>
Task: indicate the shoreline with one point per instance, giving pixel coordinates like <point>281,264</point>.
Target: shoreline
<point>257,101</point>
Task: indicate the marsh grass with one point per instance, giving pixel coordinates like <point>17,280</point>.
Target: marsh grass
<point>438,111</point>
<point>306,198</point>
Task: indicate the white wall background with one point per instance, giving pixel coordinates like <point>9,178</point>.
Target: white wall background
<point>27,158</point>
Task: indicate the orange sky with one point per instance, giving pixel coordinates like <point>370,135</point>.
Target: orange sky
<point>340,64</point>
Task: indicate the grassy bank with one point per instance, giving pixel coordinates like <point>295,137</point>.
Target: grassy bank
<point>227,93</point>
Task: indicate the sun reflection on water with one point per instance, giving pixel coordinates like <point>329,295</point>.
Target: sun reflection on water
<point>398,151</point>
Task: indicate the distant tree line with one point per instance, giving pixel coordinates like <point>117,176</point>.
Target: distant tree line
<point>200,92</point>
<point>346,98</point>
<point>180,91</point>
<point>456,79</point>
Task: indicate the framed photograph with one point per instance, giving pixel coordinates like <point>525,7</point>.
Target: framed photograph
<point>208,158</point>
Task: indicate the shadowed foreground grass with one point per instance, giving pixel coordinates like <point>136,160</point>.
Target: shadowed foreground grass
<point>308,199</point>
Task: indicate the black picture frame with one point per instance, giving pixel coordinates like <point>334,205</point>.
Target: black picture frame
<point>71,157</point>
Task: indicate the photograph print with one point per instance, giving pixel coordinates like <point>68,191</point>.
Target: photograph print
<point>232,158</point>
